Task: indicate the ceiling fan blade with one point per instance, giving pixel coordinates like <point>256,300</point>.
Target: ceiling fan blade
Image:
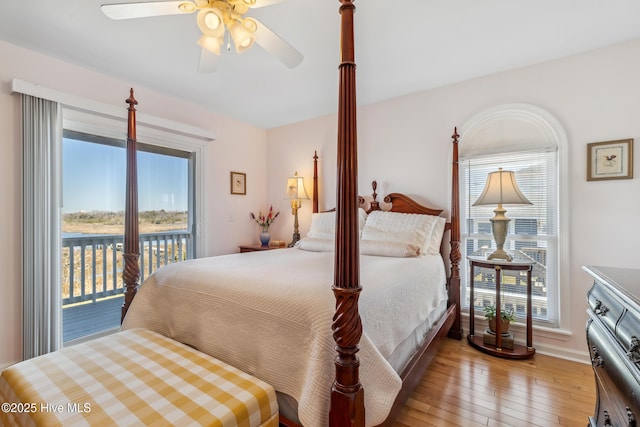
<point>143,10</point>
<point>262,3</point>
<point>276,46</point>
<point>208,62</point>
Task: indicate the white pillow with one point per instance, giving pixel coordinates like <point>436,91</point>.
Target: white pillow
<point>413,229</point>
<point>388,249</point>
<point>323,224</point>
<point>435,240</point>
<point>367,247</point>
<point>313,244</point>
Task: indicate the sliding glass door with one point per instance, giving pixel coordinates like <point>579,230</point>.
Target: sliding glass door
<point>93,224</point>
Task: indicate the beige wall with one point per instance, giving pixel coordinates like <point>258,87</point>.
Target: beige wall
<point>404,144</point>
<point>238,147</point>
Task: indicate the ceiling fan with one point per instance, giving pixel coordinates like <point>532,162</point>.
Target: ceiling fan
<point>217,20</point>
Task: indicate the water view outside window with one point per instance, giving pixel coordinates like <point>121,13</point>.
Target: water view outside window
<point>93,224</point>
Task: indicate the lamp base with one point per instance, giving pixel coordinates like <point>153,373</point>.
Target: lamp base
<point>295,238</point>
<point>500,227</point>
<point>500,254</point>
<point>295,205</point>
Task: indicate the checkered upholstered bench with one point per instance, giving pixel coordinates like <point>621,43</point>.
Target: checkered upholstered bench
<point>135,377</point>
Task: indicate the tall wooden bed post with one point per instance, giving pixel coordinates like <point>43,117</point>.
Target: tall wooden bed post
<point>454,237</point>
<point>347,394</point>
<point>131,272</point>
<point>315,183</point>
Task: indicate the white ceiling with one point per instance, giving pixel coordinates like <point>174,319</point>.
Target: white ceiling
<point>401,47</point>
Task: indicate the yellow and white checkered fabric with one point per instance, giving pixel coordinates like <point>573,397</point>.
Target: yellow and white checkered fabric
<point>133,378</point>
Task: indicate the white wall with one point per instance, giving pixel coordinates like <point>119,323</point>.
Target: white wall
<point>238,147</point>
<point>404,143</point>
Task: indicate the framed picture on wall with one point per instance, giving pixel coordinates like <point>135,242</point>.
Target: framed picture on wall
<point>238,183</point>
<point>610,160</point>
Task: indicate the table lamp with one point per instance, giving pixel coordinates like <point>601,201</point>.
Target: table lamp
<point>295,193</point>
<point>501,189</point>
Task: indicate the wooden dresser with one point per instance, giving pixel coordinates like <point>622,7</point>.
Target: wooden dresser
<point>613,334</point>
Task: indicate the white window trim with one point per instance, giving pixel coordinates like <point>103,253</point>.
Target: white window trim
<point>551,128</point>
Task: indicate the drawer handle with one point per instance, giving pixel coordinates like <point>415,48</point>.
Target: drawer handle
<point>634,350</point>
<point>607,419</point>
<point>597,360</point>
<point>631,417</point>
<point>600,309</point>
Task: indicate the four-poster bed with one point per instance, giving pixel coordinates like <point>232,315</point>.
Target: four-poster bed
<point>348,397</point>
<point>273,321</point>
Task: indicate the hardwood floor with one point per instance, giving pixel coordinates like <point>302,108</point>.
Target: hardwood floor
<point>465,387</point>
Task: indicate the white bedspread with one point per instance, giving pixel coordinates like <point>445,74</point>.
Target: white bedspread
<point>269,314</point>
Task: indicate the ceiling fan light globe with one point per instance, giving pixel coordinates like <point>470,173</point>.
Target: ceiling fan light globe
<point>242,39</point>
<point>212,44</point>
<point>210,22</point>
<point>250,25</point>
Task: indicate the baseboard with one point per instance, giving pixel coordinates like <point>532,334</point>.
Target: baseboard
<point>563,353</point>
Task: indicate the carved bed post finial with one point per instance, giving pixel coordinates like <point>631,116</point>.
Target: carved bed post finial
<point>454,255</point>
<point>131,248</point>
<point>375,204</point>
<point>347,394</point>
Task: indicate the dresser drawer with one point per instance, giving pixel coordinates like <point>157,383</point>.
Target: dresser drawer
<point>615,374</point>
<point>604,305</point>
<point>628,334</point>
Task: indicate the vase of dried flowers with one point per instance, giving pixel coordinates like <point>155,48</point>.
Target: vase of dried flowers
<point>264,221</point>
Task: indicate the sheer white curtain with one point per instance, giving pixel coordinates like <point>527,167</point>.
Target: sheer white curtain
<point>41,299</point>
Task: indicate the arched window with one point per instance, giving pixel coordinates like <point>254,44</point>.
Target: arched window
<point>528,141</point>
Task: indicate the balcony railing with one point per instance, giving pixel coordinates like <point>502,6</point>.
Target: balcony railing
<point>92,264</point>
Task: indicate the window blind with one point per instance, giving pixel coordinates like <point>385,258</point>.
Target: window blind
<point>533,229</point>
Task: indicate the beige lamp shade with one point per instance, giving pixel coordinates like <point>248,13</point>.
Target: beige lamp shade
<point>295,188</point>
<point>501,189</point>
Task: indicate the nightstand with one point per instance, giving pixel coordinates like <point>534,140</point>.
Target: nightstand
<point>520,263</point>
<point>257,248</point>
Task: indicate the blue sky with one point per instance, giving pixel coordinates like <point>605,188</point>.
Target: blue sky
<point>93,179</point>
